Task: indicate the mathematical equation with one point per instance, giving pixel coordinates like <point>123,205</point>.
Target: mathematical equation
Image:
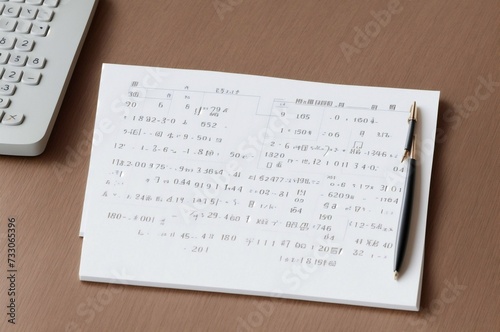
<point>287,175</point>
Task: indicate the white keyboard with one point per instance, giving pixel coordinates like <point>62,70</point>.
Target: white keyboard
<point>39,44</point>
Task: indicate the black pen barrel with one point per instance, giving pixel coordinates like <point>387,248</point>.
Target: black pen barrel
<point>409,136</point>
<point>404,223</point>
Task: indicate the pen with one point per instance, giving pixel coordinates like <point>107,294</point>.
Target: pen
<point>405,216</point>
<point>412,119</point>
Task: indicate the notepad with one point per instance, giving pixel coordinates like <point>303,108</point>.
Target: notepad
<point>233,183</point>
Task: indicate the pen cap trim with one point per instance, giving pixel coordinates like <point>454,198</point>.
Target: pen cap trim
<point>413,152</point>
<point>413,112</point>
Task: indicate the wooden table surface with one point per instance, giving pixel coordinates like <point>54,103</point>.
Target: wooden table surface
<point>447,45</point>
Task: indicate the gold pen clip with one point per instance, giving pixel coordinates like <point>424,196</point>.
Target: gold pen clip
<point>413,112</point>
<point>412,117</point>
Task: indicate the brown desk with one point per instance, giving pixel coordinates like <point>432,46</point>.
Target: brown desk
<point>451,46</point>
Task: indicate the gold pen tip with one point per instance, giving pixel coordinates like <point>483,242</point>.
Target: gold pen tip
<point>396,275</point>
<point>404,155</point>
<point>413,112</point>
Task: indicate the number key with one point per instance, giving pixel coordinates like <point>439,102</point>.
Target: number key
<point>36,62</point>
<point>18,60</point>
<point>12,75</point>
<point>7,89</point>
<point>7,42</point>
<point>25,44</point>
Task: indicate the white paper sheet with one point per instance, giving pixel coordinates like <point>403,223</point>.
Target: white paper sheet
<point>254,185</point>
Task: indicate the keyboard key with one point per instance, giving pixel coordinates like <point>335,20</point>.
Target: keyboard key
<point>36,62</point>
<point>31,77</point>
<point>4,57</point>
<point>12,75</point>
<point>10,119</point>
<point>45,15</point>
<point>34,2</point>
<point>7,89</point>
<point>4,102</point>
<point>23,26</point>
<point>7,42</point>
<point>28,13</point>
<point>39,29</point>
<point>51,3</point>
<point>7,24</point>
<point>24,44</point>
<point>11,10</point>
<point>18,60</point>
